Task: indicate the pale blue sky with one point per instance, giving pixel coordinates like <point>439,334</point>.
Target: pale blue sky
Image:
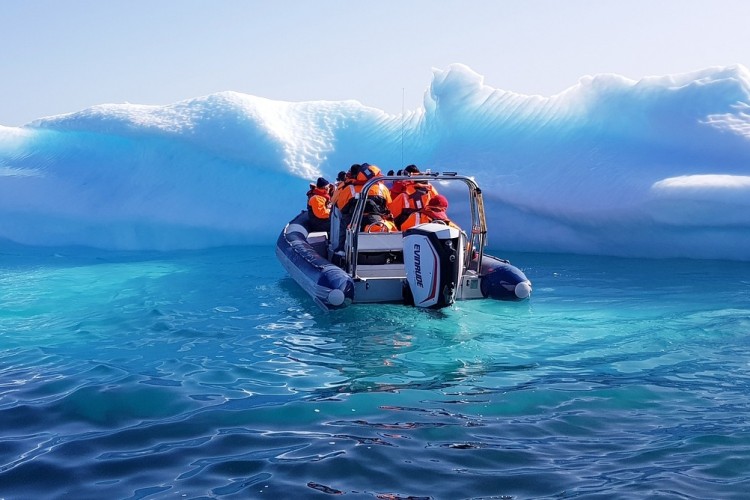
<point>63,56</point>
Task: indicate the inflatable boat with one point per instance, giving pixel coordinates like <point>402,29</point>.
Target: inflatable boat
<point>430,265</point>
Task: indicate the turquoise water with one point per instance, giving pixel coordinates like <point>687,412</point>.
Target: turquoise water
<point>209,374</point>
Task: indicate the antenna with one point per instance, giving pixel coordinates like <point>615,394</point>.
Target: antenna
<point>403,94</point>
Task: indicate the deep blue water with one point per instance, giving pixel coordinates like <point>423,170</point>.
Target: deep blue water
<point>209,374</point>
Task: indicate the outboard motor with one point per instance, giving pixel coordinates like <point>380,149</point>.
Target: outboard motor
<point>433,258</point>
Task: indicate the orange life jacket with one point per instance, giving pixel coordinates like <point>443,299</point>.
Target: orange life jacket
<point>319,209</point>
<point>381,226</point>
<point>428,214</point>
<point>413,199</point>
<point>374,221</point>
<point>346,198</point>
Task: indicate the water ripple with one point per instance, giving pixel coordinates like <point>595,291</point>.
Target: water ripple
<point>207,374</point>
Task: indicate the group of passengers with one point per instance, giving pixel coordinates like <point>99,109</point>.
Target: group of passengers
<point>405,204</point>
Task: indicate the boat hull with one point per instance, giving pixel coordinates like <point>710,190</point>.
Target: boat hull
<point>503,281</point>
<point>329,285</point>
<point>428,266</point>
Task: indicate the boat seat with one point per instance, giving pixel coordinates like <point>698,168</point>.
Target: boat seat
<point>380,249</point>
<point>384,271</point>
<point>380,242</point>
<point>316,236</point>
<point>319,241</point>
<point>378,258</point>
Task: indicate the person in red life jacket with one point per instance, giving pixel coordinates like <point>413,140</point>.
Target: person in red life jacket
<point>374,221</point>
<point>319,206</point>
<point>414,196</point>
<point>433,212</point>
<point>398,186</point>
<point>389,183</point>
<point>347,197</point>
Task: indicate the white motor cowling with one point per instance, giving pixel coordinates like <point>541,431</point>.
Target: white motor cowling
<point>433,258</point>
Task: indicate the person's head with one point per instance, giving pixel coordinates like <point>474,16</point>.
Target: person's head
<point>354,170</point>
<point>341,176</point>
<point>321,183</point>
<point>411,170</point>
<point>438,202</point>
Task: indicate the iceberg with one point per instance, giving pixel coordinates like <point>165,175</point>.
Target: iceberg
<point>658,167</point>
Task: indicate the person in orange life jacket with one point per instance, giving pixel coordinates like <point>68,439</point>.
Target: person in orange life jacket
<point>346,199</point>
<point>319,206</point>
<point>342,183</point>
<point>340,179</point>
<point>344,218</point>
<point>373,221</point>
<point>414,196</point>
<point>433,212</point>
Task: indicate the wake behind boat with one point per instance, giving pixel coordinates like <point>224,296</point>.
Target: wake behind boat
<point>430,265</point>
